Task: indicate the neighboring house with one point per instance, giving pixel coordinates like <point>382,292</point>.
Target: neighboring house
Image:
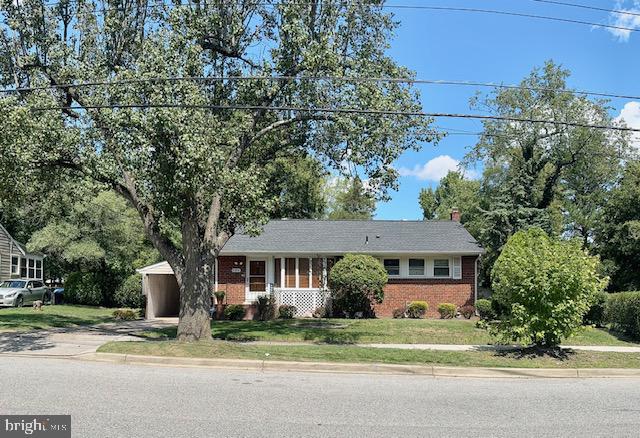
<point>16,261</point>
<point>433,261</point>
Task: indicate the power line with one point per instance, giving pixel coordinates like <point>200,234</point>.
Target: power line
<point>359,79</point>
<point>335,110</point>
<point>594,8</point>
<point>430,8</point>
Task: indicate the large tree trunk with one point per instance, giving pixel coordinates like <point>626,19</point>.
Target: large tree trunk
<point>196,285</point>
<point>195,300</point>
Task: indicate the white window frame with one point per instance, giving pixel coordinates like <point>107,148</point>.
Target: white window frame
<point>449,267</point>
<point>399,259</point>
<point>15,271</point>
<point>424,267</point>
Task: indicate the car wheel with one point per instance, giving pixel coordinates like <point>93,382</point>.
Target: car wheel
<point>19,302</point>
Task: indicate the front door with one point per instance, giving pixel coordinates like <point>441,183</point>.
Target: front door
<point>257,279</point>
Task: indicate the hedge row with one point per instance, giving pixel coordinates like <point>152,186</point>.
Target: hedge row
<point>622,311</point>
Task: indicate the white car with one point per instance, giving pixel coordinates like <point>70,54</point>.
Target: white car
<point>17,293</point>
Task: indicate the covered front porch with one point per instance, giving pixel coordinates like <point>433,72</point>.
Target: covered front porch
<point>296,280</point>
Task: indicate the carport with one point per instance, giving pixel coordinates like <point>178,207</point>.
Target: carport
<point>160,287</point>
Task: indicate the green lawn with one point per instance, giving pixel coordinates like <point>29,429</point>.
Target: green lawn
<point>382,331</point>
<point>353,354</point>
<point>26,319</point>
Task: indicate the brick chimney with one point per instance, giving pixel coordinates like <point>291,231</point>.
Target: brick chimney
<point>455,214</point>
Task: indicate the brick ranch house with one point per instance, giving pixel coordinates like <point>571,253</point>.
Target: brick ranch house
<point>433,261</point>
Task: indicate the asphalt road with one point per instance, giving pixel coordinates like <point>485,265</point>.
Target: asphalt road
<point>110,400</point>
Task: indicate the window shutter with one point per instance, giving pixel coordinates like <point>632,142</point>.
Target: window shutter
<point>457,268</point>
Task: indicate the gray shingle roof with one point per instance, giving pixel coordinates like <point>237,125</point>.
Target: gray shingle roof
<point>338,237</point>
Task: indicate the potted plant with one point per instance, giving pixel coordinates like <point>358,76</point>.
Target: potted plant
<point>219,303</point>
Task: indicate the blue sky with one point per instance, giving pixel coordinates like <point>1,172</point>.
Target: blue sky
<point>491,48</point>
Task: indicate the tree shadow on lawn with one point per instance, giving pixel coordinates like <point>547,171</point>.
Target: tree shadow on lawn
<point>317,331</point>
<point>42,320</point>
<point>533,352</point>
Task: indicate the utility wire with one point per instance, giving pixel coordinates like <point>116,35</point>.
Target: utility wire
<point>593,8</point>
<point>334,110</point>
<point>422,7</point>
<point>359,79</point>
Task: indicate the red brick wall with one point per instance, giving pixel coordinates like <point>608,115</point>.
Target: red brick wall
<point>230,282</point>
<point>400,292</point>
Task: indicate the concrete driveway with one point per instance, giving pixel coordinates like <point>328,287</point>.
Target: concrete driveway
<point>74,341</point>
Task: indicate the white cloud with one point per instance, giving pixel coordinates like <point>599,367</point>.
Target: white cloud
<point>630,115</point>
<point>433,170</point>
<point>625,20</point>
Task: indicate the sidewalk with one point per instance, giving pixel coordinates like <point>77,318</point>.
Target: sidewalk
<point>72,341</point>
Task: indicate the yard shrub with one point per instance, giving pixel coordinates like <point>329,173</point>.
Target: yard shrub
<point>320,312</point>
<point>595,315</point>
<point>467,311</point>
<point>357,282</point>
<point>400,312</point>
<point>546,286</point>
<point>125,314</point>
<point>447,310</point>
<point>234,312</point>
<point>485,310</point>
<point>266,308</point>
<point>129,294</point>
<point>287,311</point>
<point>83,288</point>
<point>417,309</point>
<point>622,311</point>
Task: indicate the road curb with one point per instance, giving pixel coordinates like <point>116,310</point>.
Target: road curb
<point>362,368</point>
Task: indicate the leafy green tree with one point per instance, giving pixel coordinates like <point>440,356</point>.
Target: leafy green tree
<point>357,282</point>
<point>100,234</point>
<point>535,174</point>
<point>453,191</point>
<point>428,203</point>
<point>355,202</point>
<point>546,287</point>
<point>192,153</point>
<point>297,185</point>
<point>618,234</point>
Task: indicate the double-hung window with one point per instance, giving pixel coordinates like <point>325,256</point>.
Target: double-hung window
<point>441,268</point>
<point>15,265</point>
<point>392,266</point>
<point>416,267</point>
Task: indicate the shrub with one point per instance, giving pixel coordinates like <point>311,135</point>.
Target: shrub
<point>234,312</point>
<point>447,310</point>
<point>622,311</point>
<point>320,312</point>
<point>467,311</point>
<point>266,308</point>
<point>219,296</point>
<point>125,314</point>
<point>357,282</point>
<point>83,288</point>
<point>129,294</point>
<point>286,311</point>
<point>400,312</point>
<point>595,315</point>
<point>546,286</point>
<point>417,309</point>
<point>485,309</point>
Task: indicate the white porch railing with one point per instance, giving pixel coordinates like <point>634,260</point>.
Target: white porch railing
<point>304,300</point>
